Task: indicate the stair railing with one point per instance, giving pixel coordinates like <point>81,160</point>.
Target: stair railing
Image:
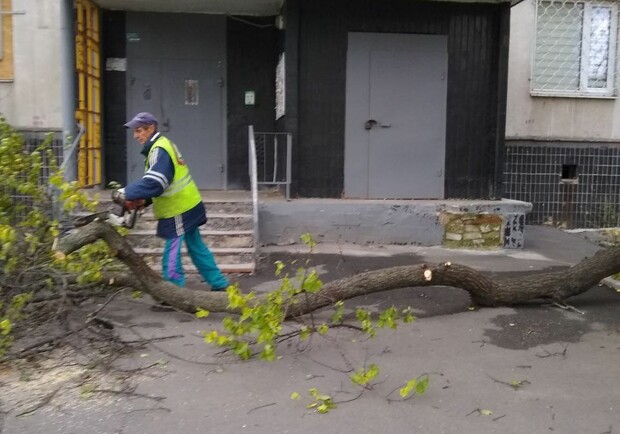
<point>253,182</point>
<point>273,157</point>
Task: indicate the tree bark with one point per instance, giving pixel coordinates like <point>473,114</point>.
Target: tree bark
<point>554,286</point>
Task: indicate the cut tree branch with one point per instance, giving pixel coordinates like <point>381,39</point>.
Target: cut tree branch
<point>552,287</point>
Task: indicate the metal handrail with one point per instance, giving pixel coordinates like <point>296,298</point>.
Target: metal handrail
<point>253,181</point>
<point>273,179</point>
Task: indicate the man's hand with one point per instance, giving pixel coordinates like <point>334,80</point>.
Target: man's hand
<point>118,196</point>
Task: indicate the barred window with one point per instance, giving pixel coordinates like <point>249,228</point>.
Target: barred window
<point>575,52</point>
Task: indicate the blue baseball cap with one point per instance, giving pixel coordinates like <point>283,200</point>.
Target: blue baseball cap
<point>143,118</point>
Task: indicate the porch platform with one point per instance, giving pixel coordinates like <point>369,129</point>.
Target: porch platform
<point>455,223</point>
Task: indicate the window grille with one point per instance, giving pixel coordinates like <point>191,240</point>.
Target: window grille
<point>575,52</point>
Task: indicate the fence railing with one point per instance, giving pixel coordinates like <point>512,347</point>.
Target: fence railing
<point>59,157</point>
<point>273,159</point>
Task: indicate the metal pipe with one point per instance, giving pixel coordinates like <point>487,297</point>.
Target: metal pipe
<point>67,86</point>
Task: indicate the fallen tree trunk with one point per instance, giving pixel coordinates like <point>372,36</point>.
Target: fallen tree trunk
<point>554,286</point>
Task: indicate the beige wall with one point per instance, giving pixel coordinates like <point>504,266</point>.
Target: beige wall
<point>550,118</point>
<point>33,99</point>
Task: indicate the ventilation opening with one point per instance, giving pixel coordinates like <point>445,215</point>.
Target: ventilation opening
<point>569,173</point>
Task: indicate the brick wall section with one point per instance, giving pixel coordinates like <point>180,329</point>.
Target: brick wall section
<point>472,230</point>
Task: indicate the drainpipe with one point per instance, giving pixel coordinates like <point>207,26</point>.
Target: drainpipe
<point>67,87</point>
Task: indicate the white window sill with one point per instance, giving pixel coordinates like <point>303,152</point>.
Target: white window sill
<point>572,95</point>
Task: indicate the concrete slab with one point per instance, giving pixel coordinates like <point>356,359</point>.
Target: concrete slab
<point>391,222</point>
<point>566,363</point>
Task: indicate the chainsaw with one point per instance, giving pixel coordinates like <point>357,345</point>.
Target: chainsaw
<point>121,213</point>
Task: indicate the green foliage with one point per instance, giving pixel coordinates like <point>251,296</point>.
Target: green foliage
<point>308,240</point>
<point>30,201</point>
<point>9,315</point>
<point>257,329</point>
<point>321,403</point>
<point>415,385</point>
<point>363,377</point>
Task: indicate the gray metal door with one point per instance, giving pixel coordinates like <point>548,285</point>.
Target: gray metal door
<point>395,116</point>
<point>186,97</point>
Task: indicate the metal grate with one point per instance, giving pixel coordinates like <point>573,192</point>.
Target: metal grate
<point>32,140</point>
<point>575,48</point>
<point>571,186</point>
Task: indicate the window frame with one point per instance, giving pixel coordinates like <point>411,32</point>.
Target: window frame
<point>610,91</point>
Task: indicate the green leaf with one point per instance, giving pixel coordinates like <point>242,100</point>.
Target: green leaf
<point>422,385</point>
<point>312,283</point>
<point>363,377</point>
<point>406,390</point>
<point>5,327</point>
<point>268,353</point>
<point>485,412</point>
<point>323,408</point>
<point>339,312</point>
<point>295,396</point>
<point>201,313</point>
<point>308,240</point>
<point>279,267</point>
<point>323,329</point>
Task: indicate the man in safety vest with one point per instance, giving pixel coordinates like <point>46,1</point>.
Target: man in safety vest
<point>177,204</point>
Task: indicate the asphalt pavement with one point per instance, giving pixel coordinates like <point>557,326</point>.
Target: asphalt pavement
<point>534,368</point>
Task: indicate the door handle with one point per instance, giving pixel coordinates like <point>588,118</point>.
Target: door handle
<point>386,125</point>
<point>369,124</point>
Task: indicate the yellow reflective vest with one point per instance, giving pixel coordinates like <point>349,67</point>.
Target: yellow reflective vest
<point>182,194</point>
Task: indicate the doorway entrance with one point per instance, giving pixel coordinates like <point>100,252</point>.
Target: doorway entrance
<point>395,116</point>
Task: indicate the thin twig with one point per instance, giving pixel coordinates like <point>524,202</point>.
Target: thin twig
<point>147,341</point>
<point>174,356</point>
<point>515,385</point>
<point>565,306</point>
<point>557,353</point>
<point>44,401</point>
<point>25,350</point>
<point>128,392</point>
<point>93,315</point>
<point>258,408</point>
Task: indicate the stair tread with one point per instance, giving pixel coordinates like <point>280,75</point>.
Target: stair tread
<point>147,250</point>
<point>202,231</point>
<point>243,267</point>
<point>219,215</point>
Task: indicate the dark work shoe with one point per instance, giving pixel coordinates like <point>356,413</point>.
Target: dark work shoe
<point>223,288</point>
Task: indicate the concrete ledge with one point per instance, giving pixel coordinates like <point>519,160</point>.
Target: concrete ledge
<point>399,222</point>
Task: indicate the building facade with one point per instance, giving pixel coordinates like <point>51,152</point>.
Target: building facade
<point>563,115</point>
<point>384,100</point>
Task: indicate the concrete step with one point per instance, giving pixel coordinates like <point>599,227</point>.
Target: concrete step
<point>242,268</point>
<point>212,206</point>
<point>215,221</point>
<point>212,238</point>
<point>224,255</point>
<point>229,233</point>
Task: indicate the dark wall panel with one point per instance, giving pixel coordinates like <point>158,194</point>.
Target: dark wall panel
<point>114,99</point>
<point>474,87</point>
<point>251,64</point>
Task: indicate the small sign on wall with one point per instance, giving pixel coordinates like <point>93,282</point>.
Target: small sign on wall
<point>191,92</point>
<point>116,64</point>
<point>250,97</point>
